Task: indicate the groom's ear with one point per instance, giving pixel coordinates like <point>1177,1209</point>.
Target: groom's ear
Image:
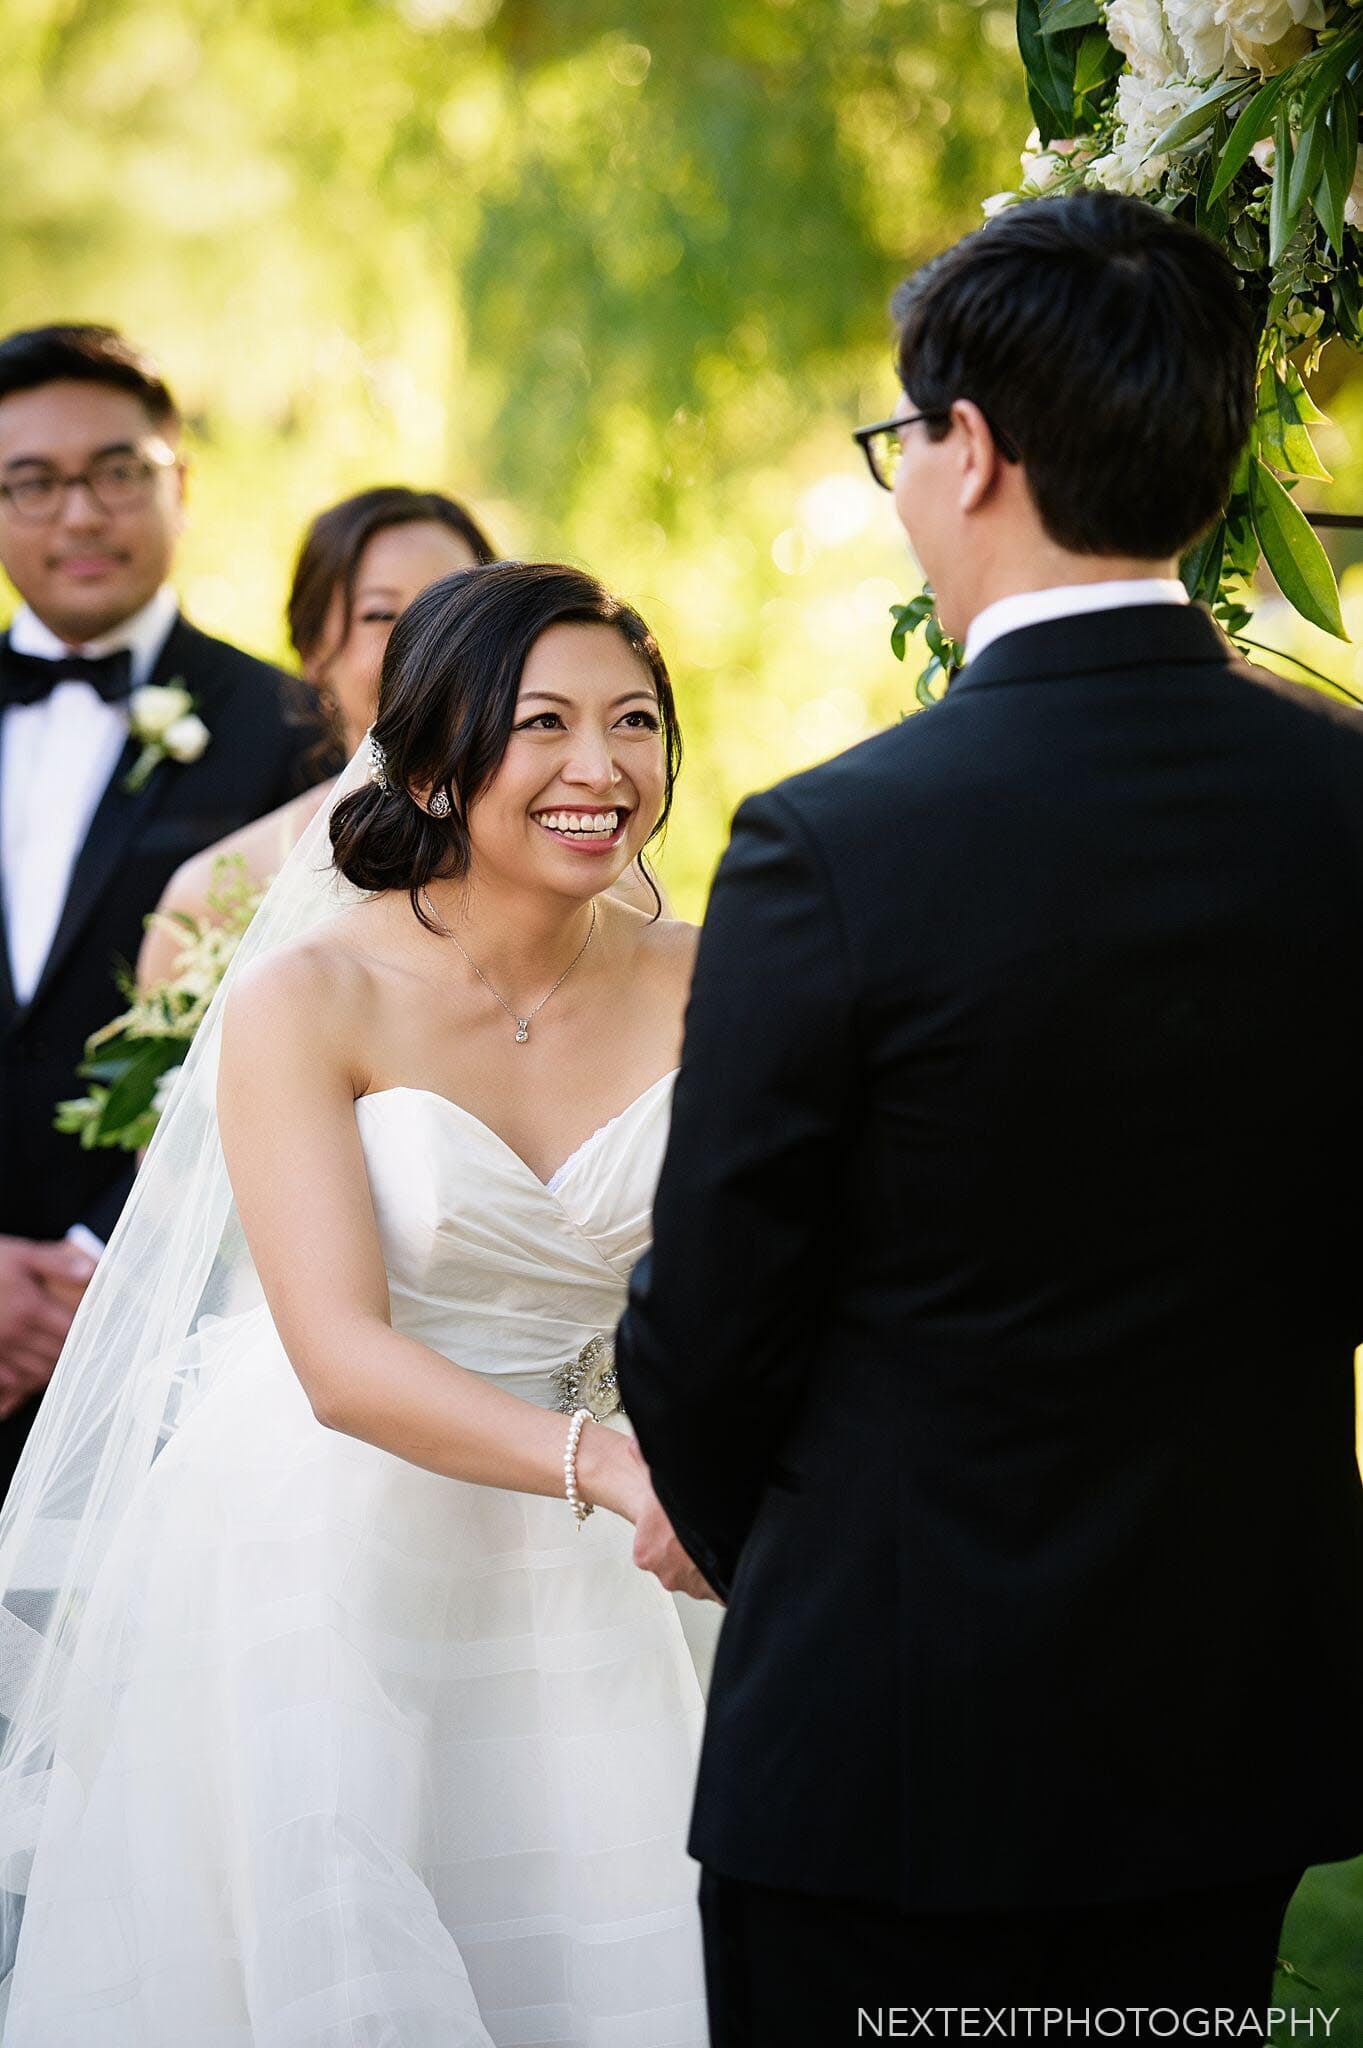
<point>980,462</point>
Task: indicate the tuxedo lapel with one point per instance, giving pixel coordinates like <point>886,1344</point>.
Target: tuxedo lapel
<point>7,1002</point>
<point>119,818</point>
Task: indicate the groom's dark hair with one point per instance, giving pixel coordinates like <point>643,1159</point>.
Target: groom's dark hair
<point>1111,346</point>
<point>73,354</point>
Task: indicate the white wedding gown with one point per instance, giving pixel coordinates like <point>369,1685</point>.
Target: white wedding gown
<point>363,1757</point>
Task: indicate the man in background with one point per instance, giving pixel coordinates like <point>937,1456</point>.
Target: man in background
<point>91,507</point>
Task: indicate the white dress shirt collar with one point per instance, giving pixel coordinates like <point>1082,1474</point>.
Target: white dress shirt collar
<point>144,635</point>
<point>1064,601</point>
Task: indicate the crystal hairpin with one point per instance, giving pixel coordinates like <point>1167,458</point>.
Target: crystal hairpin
<point>378,761</point>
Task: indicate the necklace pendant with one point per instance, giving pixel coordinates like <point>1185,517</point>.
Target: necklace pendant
<point>522,1030</point>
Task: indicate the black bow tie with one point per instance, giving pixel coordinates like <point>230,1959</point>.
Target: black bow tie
<point>28,678</point>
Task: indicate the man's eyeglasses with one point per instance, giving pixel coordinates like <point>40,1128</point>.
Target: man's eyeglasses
<point>883,444</point>
<point>119,481</point>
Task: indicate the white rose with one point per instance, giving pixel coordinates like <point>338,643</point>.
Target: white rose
<point>1353,205</point>
<point>1143,112</point>
<point>156,707</point>
<point>1239,35</point>
<point>1139,30</point>
<point>186,739</point>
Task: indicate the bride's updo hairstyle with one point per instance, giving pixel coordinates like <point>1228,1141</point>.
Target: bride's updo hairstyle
<point>447,708</point>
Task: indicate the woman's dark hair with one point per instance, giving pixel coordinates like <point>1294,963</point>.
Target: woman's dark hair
<point>84,355</point>
<point>329,558</point>
<point>1111,345</point>
<point>447,707</point>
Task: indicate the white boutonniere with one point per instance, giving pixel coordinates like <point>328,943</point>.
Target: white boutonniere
<point>162,717</point>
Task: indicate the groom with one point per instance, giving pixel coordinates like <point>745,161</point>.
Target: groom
<point>994,1359</point>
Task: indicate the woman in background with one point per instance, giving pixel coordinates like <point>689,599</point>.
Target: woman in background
<point>361,563</point>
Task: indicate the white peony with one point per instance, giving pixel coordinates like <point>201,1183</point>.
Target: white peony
<point>1353,205</point>
<point>186,739</point>
<point>1143,112</point>
<point>1243,35</point>
<point>1139,30</point>
<point>156,707</point>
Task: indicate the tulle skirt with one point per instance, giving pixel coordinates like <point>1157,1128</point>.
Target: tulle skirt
<point>362,1758</point>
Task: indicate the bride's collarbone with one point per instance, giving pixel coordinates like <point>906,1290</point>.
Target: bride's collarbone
<point>542,1098</point>
<point>542,1084</point>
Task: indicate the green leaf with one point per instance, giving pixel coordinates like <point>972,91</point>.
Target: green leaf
<point>1304,406</point>
<point>1251,127</point>
<point>1049,64</point>
<point>1307,165</point>
<point>1341,160</point>
<point>1063,14</point>
<point>1200,115</point>
<point>1212,215</point>
<point>1292,440</point>
<point>1242,546</point>
<point>907,619</point>
<point>1329,70</point>
<point>1200,568</point>
<point>923,688</point>
<point>132,1094</point>
<point>1299,563</point>
<point>1097,62</point>
<point>1280,219</point>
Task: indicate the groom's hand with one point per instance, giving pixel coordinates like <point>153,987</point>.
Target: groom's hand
<point>40,1288</point>
<point>657,1550</point>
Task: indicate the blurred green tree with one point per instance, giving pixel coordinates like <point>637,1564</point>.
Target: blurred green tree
<point>617,274</point>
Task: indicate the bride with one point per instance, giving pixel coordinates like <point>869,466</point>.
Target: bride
<point>335,1713</point>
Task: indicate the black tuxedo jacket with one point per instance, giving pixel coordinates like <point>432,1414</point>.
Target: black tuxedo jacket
<point>263,750</point>
<point>995,1356</point>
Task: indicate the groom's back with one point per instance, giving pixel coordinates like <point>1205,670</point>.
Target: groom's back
<point>1086,1328</point>
<point>1110,924</point>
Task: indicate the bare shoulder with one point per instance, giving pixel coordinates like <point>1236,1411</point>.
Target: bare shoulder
<point>663,948</point>
<point>315,994</point>
<point>263,846</point>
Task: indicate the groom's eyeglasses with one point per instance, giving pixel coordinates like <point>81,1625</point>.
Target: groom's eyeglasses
<point>119,480</point>
<point>883,444</point>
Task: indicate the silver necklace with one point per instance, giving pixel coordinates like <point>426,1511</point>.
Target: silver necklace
<point>522,1024</point>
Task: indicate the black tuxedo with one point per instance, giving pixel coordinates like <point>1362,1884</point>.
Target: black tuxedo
<point>995,1353</point>
<point>263,750</point>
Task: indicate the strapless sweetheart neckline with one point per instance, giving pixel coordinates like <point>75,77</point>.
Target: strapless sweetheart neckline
<point>555,1179</point>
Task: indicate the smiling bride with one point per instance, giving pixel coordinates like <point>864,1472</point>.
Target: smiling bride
<point>336,1716</point>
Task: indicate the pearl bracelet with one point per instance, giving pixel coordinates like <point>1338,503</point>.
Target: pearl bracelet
<point>581,1508</point>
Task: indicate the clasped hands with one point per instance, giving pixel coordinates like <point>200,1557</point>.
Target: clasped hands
<point>612,1472</point>
<point>40,1290</point>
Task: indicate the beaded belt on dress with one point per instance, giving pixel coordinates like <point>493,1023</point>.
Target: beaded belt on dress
<point>588,1381</point>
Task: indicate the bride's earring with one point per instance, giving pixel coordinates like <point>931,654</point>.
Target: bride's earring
<point>439,805</point>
